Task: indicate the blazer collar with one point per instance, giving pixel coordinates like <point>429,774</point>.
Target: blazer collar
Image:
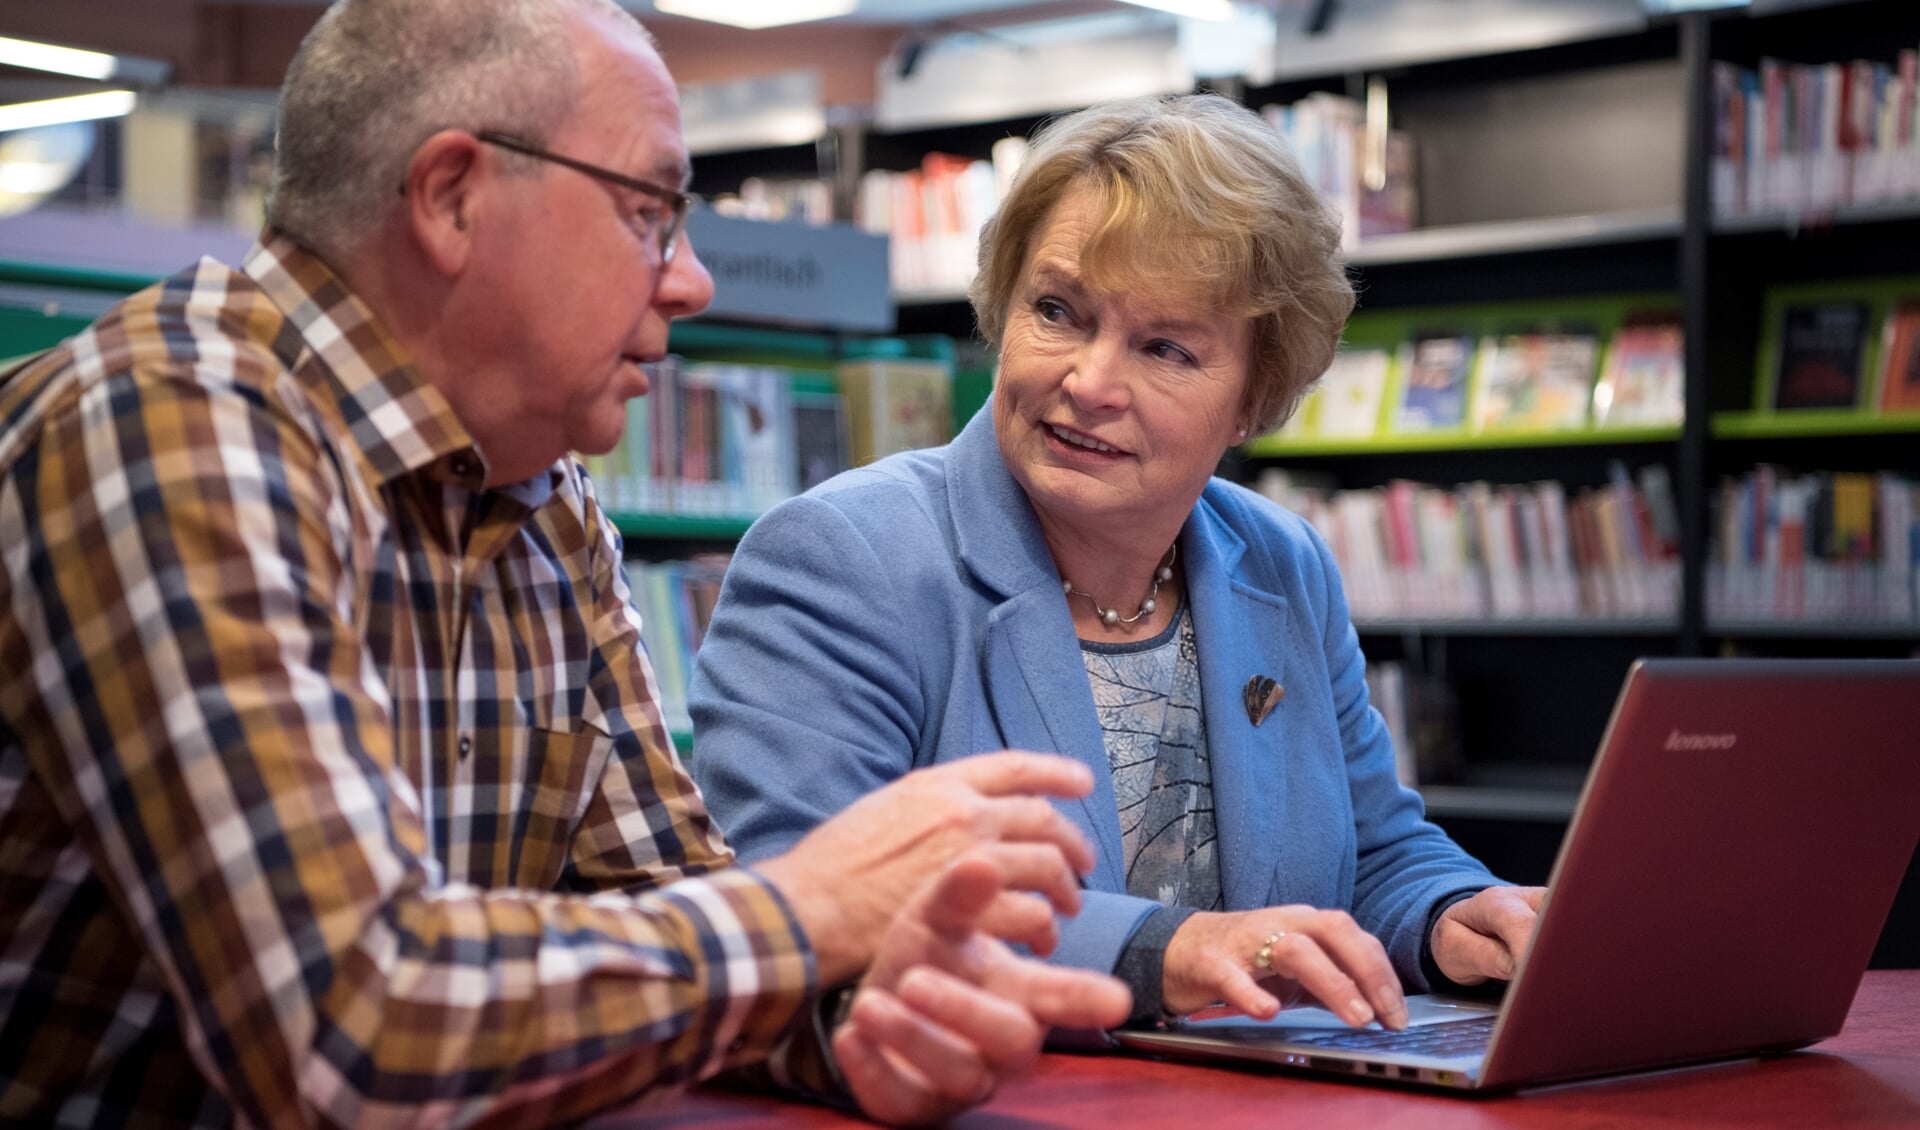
<point>996,533</point>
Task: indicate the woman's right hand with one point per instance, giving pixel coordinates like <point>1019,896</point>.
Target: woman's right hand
<point>1323,954</point>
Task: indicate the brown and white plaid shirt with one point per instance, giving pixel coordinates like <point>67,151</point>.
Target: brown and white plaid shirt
<point>332,785</point>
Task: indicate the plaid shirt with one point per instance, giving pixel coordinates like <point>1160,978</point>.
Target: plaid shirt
<point>332,787</point>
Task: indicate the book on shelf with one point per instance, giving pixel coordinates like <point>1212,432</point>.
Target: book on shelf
<point>1820,547</point>
<point>709,440</point>
<point>1422,715</point>
<point>1502,551</point>
<point>1329,134</point>
<point>1345,402</point>
<point>1433,387</point>
<point>895,404</point>
<point>1535,381</point>
<point>1822,354</point>
<point>676,600</point>
<point>807,200</point>
<point>1642,381</point>
<point>819,438</point>
<point>1792,137</point>
<point>1900,358</point>
<point>932,215</point>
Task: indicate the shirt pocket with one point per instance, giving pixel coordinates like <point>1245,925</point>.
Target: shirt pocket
<point>562,770</point>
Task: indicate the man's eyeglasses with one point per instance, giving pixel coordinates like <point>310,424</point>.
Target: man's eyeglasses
<point>667,228</point>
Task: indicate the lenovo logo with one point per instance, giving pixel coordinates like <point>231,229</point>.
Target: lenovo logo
<point>1679,742</point>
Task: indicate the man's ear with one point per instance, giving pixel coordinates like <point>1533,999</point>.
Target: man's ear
<point>444,180</point>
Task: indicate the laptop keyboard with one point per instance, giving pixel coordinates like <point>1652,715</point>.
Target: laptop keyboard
<point>1449,1039</point>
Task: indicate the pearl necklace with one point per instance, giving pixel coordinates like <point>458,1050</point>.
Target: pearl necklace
<point>1111,616</point>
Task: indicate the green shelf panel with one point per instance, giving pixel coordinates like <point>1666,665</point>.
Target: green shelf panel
<point>1276,446</point>
<point>688,526</point>
<point>1812,422</point>
<point>76,278</point>
<point>682,742</point>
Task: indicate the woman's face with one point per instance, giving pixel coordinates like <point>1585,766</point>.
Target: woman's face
<point>1112,407</point>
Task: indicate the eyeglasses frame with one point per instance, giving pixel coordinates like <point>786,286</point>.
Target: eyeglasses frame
<point>678,203</point>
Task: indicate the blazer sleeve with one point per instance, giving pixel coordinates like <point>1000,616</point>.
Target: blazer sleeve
<point>806,692</point>
<point>1405,865</point>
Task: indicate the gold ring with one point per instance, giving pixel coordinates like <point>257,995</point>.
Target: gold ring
<point>1264,959</point>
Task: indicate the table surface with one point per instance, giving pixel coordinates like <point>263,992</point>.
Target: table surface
<point>1867,1076</point>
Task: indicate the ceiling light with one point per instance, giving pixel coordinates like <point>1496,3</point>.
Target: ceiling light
<point>758,13</point>
<point>59,60</point>
<point>1193,9</point>
<point>79,108</point>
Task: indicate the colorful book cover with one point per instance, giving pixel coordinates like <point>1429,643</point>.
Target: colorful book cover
<point>895,405</point>
<point>1537,382</point>
<point>1643,382</point>
<point>819,437</point>
<point>1822,351</point>
<point>1900,365</point>
<point>1350,394</point>
<point>1433,393</point>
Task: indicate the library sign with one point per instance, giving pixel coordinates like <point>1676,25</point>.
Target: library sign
<point>832,277</point>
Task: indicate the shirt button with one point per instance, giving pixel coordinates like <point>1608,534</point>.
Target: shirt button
<point>460,466</point>
<point>466,745</point>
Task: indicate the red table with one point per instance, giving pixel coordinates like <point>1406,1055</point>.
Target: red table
<point>1867,1076</point>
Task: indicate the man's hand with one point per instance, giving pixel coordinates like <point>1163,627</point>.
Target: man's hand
<point>948,1013</point>
<point>850,876</point>
<point>1482,938</point>
<point>1323,954</point>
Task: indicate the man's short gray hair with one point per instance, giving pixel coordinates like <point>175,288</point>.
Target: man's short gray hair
<point>375,78</point>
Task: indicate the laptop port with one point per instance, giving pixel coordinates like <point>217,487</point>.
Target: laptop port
<point>1376,1069</point>
<point>1327,1063</point>
<point>1409,1073</point>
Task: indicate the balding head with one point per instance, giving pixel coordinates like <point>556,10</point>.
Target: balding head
<point>375,78</point>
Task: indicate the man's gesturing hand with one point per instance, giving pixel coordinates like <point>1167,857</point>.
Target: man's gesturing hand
<point>948,1013</point>
<point>848,878</point>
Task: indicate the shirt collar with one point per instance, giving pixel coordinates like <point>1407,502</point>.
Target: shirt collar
<point>399,421</point>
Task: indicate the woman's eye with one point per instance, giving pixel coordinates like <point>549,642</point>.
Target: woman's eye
<point>1168,351</point>
<point>1050,309</point>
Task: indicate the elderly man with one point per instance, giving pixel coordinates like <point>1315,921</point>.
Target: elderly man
<point>331,785</point>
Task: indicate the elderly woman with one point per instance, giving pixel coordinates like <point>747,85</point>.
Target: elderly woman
<point>1068,575</point>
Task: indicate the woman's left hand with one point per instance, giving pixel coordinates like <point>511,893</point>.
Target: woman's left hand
<point>1482,937</point>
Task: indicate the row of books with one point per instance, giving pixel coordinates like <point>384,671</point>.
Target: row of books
<point>676,600</point>
<point>1822,354</point>
<point>1367,175</point>
<point>1539,379</point>
<point>1822,546</point>
<point>1796,137</point>
<point>800,200</point>
<point>1508,552</point>
<point>932,215</point>
<point>724,440</point>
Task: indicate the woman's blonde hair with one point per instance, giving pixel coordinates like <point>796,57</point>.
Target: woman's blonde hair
<point>1199,193</point>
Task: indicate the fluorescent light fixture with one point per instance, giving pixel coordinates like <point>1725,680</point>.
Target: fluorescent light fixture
<point>758,13</point>
<point>79,108</point>
<point>1192,9</point>
<point>60,60</point>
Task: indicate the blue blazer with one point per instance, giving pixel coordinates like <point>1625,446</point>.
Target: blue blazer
<point>909,613</point>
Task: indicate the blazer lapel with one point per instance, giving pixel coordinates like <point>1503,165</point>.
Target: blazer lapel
<point>1234,624</point>
<point>1038,695</point>
<point>1036,683</point>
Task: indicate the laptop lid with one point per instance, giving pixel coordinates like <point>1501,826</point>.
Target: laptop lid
<point>1718,892</point>
<point>1733,857</point>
